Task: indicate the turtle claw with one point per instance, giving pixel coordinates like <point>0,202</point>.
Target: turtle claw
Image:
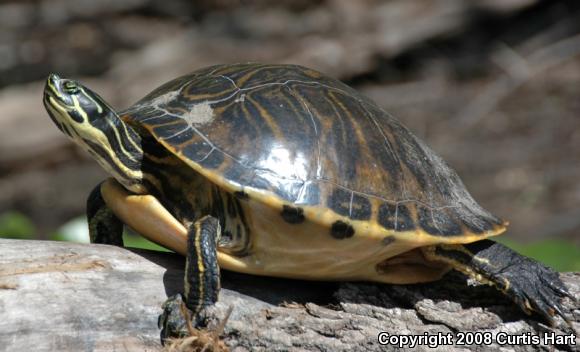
<point>562,291</point>
<point>178,321</point>
<point>536,288</point>
<point>172,322</point>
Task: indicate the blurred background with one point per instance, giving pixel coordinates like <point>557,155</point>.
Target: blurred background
<point>492,85</point>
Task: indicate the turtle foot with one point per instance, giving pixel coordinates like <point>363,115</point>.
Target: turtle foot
<point>535,288</point>
<point>183,331</point>
<point>531,285</point>
<point>173,322</point>
<point>178,321</point>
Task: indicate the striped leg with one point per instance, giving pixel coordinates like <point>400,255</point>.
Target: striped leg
<point>104,226</point>
<point>201,282</point>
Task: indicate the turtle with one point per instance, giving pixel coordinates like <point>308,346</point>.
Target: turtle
<point>279,170</point>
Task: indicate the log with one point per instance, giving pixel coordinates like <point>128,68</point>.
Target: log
<point>58,296</point>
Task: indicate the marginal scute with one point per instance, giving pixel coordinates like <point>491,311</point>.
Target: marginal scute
<point>170,129</point>
<point>184,137</point>
<point>395,217</point>
<point>285,189</point>
<point>260,183</point>
<point>196,151</point>
<point>477,224</point>
<point>292,215</point>
<point>361,208</point>
<point>438,222</point>
<point>310,194</point>
<point>213,159</point>
<point>339,201</point>
<point>349,204</point>
<point>341,230</point>
<point>236,173</point>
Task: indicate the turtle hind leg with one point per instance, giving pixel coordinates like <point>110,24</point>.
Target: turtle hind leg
<point>531,285</point>
<point>201,281</point>
<point>104,226</point>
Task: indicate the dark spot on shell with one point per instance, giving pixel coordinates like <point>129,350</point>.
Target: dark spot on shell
<point>388,240</point>
<point>292,215</point>
<point>341,230</point>
<point>395,217</point>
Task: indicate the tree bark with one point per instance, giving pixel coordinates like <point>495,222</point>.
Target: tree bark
<point>57,296</point>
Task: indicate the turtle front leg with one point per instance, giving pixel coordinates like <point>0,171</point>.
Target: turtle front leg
<point>531,285</point>
<point>201,282</point>
<point>104,226</point>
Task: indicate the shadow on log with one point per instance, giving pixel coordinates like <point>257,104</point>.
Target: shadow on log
<point>58,296</point>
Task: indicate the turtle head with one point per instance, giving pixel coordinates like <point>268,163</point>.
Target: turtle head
<point>91,123</point>
<point>71,105</point>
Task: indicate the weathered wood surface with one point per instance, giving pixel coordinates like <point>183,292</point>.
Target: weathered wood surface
<point>57,296</point>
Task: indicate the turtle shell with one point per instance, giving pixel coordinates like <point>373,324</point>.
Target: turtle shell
<point>314,147</point>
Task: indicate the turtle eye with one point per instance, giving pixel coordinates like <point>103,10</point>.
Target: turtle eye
<point>70,87</point>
